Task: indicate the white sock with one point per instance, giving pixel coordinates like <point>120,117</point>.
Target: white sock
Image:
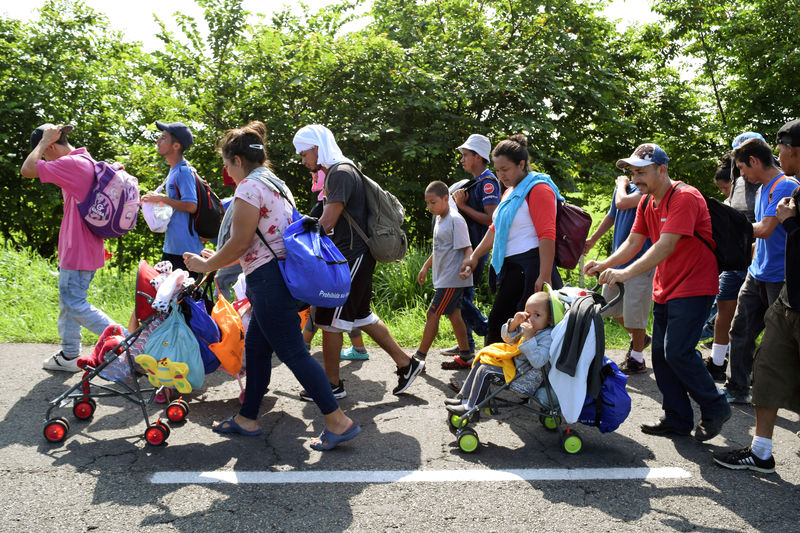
<point>761,447</point>
<point>718,352</point>
<point>638,356</point>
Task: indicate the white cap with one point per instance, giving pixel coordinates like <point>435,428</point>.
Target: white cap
<point>478,144</point>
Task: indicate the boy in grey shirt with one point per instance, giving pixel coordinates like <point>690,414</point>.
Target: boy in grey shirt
<point>451,245</point>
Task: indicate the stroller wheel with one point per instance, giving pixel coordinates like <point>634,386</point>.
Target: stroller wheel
<point>156,434</point>
<point>56,430</point>
<point>550,423</point>
<point>457,421</point>
<point>572,443</point>
<point>468,440</point>
<point>177,411</point>
<point>84,408</point>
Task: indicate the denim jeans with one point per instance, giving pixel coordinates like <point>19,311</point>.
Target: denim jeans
<point>680,373</point>
<point>275,327</point>
<point>74,311</point>
<point>473,318</point>
<point>755,297</point>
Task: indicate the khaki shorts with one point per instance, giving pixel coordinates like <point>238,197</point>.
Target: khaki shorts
<point>776,367</point>
<point>636,303</point>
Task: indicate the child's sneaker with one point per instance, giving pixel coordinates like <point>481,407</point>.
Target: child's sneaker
<point>453,350</point>
<point>338,392</point>
<point>352,354</point>
<point>632,366</point>
<point>744,459</point>
<point>61,363</point>
<point>164,395</point>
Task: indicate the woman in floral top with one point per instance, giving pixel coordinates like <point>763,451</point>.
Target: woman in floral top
<point>275,325</point>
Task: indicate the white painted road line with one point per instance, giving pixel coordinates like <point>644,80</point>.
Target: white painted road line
<point>417,476</point>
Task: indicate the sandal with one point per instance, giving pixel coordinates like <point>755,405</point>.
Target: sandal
<point>229,425</point>
<point>457,363</point>
<point>329,440</point>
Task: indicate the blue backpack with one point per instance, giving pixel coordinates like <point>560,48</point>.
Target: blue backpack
<point>612,405</point>
<point>315,271</point>
<point>205,331</point>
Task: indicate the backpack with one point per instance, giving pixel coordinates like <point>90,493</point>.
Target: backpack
<point>315,271</point>
<point>731,232</point>
<point>386,241</point>
<point>112,205</point>
<point>612,405</point>
<point>572,228</point>
<point>208,217</point>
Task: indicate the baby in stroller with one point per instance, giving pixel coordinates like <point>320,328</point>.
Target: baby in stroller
<point>527,334</point>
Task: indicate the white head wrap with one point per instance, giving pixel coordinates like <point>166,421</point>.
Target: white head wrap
<point>328,153</point>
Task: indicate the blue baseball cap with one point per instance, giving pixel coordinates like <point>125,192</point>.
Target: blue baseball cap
<point>742,137</point>
<point>179,130</point>
<point>645,154</point>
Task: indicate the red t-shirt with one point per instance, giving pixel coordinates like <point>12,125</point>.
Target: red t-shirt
<point>691,269</point>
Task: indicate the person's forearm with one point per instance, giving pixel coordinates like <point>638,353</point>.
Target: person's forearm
<point>662,249</point>
<point>601,230</point>
<point>764,228</point>
<point>478,216</point>
<point>28,168</point>
<point>180,205</point>
<point>485,245</point>
<point>623,254</point>
<point>547,256</point>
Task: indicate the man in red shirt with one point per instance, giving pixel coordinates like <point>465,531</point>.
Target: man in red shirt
<point>672,214</point>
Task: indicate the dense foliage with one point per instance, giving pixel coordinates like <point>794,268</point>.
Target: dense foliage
<point>399,94</point>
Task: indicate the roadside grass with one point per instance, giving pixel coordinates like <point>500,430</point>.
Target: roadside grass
<point>29,295</point>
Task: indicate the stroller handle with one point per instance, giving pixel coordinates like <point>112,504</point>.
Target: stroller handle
<point>614,300</point>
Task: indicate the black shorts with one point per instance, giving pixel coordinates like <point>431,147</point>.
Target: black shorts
<point>356,310</point>
<point>445,301</point>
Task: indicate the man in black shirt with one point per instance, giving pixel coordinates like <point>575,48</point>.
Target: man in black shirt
<point>776,368</point>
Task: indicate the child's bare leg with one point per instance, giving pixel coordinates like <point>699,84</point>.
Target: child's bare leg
<point>431,329</point>
<point>460,330</point>
<point>133,323</point>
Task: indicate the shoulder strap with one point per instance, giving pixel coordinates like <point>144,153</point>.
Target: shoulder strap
<point>261,236</point>
<point>350,220</point>
<point>783,177</point>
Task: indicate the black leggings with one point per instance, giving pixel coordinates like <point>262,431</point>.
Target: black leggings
<point>515,283</point>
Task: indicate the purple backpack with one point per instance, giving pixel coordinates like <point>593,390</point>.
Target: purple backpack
<point>112,205</point>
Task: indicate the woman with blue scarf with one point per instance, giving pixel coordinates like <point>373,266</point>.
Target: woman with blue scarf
<point>522,235</point>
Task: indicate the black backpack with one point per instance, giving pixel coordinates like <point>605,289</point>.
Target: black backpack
<point>208,217</point>
<point>731,232</point>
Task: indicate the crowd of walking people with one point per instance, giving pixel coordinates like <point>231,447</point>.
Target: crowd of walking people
<point>498,224</point>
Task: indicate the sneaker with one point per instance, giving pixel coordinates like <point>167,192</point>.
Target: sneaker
<point>632,366</point>
<point>738,396</point>
<point>407,374</point>
<point>453,350</point>
<point>60,362</point>
<point>717,371</point>
<point>164,395</point>
<point>352,354</point>
<point>338,392</point>
<point>744,459</point>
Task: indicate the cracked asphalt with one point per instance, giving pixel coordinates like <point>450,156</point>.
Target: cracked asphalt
<point>98,479</point>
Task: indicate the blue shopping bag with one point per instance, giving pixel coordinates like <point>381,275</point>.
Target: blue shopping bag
<point>205,331</point>
<point>173,339</point>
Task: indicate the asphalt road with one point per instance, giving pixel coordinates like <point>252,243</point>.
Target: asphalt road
<point>101,477</point>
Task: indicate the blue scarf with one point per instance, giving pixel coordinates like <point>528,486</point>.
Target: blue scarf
<point>508,208</point>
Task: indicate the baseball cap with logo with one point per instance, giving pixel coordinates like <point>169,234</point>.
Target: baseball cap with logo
<point>179,130</point>
<point>478,144</point>
<point>645,154</point>
<point>789,133</point>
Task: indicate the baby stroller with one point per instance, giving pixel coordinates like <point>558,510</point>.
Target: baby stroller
<point>114,362</point>
<point>578,344</point>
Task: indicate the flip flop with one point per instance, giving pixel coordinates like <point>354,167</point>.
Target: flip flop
<point>229,425</point>
<point>329,440</point>
<point>455,384</point>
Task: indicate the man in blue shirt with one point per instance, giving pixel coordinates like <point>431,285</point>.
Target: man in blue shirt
<point>181,194</point>
<point>476,199</point>
<point>764,279</point>
<point>634,310</point>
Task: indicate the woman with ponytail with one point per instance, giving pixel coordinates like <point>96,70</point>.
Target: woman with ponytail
<point>522,235</point>
<point>252,226</point>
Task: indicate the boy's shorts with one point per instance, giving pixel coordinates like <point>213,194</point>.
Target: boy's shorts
<point>356,311</point>
<point>730,282</point>
<point>636,302</point>
<point>445,301</point>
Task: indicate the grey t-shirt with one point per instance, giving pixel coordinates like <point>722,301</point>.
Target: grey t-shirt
<point>343,184</point>
<point>450,237</point>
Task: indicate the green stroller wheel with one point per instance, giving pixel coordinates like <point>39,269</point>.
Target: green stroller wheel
<point>468,440</point>
<point>573,444</point>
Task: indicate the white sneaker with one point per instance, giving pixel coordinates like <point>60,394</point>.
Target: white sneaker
<point>59,362</point>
